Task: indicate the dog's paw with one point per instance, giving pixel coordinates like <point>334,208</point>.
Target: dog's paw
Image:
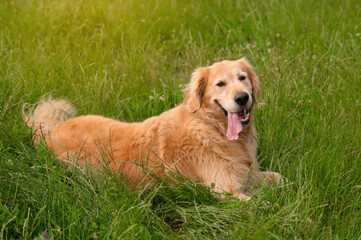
<point>273,178</point>
<point>277,179</point>
<point>243,197</point>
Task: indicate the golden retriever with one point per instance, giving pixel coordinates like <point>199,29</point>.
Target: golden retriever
<point>210,137</point>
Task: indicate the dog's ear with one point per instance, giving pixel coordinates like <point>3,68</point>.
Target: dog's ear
<point>256,90</point>
<point>196,89</point>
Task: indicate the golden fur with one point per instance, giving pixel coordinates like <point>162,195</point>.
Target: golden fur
<point>190,137</point>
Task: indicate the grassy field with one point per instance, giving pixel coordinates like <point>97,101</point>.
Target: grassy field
<point>129,60</point>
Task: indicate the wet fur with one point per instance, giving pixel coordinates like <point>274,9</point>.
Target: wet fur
<point>190,138</point>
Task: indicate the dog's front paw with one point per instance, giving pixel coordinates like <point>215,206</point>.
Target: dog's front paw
<point>277,178</point>
<point>273,178</point>
<point>243,197</point>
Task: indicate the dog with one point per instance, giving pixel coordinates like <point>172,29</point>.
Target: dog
<point>210,137</point>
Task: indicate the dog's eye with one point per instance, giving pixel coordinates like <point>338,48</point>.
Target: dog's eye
<point>242,77</point>
<point>221,84</point>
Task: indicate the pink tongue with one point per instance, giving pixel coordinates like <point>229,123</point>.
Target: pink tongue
<point>234,126</point>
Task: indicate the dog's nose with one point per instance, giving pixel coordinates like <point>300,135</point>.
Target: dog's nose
<point>241,98</point>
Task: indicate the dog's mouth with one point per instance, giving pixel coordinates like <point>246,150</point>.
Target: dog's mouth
<point>236,121</point>
<point>243,114</point>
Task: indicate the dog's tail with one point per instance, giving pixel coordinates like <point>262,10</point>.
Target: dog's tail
<point>46,115</point>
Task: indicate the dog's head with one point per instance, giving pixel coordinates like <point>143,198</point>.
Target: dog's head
<point>229,88</point>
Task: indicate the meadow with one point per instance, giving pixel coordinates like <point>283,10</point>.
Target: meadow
<point>129,60</point>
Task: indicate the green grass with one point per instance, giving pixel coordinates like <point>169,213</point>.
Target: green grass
<point>118,58</point>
